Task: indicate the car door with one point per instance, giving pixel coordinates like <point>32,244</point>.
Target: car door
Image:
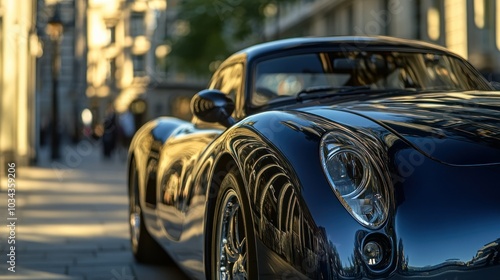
<point>180,156</point>
<point>175,167</point>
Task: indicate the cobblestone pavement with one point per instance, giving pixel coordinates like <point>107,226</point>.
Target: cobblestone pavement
<point>71,220</point>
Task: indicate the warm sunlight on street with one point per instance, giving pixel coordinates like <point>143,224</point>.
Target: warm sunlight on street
<point>72,222</point>
<point>249,139</point>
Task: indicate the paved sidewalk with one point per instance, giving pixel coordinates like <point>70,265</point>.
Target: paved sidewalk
<point>72,220</point>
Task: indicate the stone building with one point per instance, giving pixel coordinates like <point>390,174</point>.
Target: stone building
<point>121,46</point>
<point>70,51</point>
<point>106,57</point>
<point>19,47</point>
<point>470,28</point>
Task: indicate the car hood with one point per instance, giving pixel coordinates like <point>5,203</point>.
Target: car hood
<point>457,128</point>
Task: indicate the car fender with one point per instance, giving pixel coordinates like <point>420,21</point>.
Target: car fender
<point>277,154</point>
<point>145,150</point>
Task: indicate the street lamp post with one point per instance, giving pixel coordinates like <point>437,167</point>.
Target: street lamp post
<point>55,31</point>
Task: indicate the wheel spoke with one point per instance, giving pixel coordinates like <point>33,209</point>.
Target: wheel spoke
<point>231,247</point>
<point>242,244</point>
<point>232,240</point>
<point>239,270</point>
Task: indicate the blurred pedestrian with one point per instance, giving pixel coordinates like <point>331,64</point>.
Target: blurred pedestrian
<point>45,128</point>
<point>110,133</point>
<point>127,128</point>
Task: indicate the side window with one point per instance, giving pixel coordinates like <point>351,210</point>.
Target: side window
<point>229,80</point>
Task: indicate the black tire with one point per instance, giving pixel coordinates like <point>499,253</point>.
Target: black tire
<point>235,258</point>
<point>144,248</point>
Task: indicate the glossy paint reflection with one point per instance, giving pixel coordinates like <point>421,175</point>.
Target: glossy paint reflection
<point>454,214</point>
<point>301,222</point>
<point>456,128</point>
<point>285,223</point>
<point>439,154</point>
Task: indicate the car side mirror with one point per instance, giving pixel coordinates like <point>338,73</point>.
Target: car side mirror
<point>212,106</point>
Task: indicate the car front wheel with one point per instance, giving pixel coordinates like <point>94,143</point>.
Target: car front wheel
<point>231,250</point>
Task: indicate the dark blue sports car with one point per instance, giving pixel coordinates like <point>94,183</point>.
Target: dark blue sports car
<point>325,158</point>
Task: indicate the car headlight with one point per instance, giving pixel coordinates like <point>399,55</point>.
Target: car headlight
<point>356,176</point>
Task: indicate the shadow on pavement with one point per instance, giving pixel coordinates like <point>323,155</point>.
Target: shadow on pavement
<point>72,220</point>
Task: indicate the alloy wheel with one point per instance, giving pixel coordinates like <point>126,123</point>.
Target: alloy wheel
<point>231,240</point>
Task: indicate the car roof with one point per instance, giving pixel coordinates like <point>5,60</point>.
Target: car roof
<point>348,41</point>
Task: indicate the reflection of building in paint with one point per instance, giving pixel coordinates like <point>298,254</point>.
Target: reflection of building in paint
<point>469,28</point>
<point>489,254</point>
<point>286,225</point>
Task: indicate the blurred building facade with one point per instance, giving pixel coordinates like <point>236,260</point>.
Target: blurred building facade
<point>71,55</point>
<point>19,48</point>
<point>112,52</point>
<point>106,57</point>
<point>470,28</point>
<point>120,60</point>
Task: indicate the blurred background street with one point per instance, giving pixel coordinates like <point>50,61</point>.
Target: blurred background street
<point>72,219</point>
<point>67,66</point>
<point>78,78</point>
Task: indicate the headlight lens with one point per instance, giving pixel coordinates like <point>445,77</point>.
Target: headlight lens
<point>356,176</point>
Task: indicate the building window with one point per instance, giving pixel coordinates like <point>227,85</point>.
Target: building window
<point>479,13</point>
<point>111,30</point>
<point>483,13</point>
<point>137,24</point>
<point>456,26</point>
<point>139,62</point>
<point>350,18</point>
<point>111,71</point>
<point>433,23</point>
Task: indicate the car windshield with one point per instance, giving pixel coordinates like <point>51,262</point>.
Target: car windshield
<point>327,72</point>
